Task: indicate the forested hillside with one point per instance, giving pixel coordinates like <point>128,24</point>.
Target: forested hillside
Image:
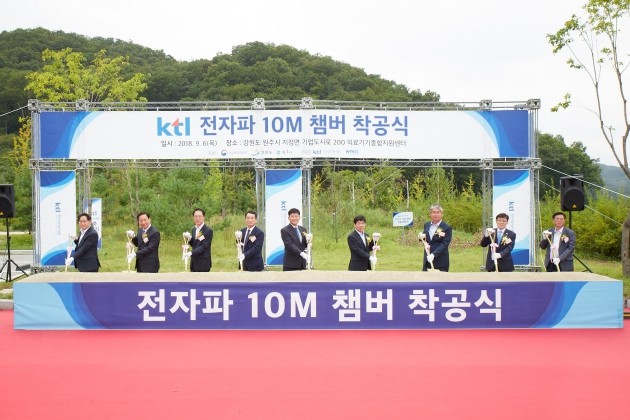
<point>249,71</point>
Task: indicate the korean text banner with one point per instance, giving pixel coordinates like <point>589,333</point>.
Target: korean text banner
<point>57,213</point>
<point>284,134</point>
<point>318,305</point>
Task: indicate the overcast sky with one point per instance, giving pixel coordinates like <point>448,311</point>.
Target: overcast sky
<point>461,49</point>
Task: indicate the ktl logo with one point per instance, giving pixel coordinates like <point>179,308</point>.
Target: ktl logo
<point>175,128</point>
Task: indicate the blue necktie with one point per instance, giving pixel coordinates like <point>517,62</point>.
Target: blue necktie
<point>299,235</point>
<point>499,236</point>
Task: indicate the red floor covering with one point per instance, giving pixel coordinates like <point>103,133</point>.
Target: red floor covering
<point>482,374</point>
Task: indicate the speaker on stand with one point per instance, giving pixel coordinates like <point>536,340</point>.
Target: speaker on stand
<point>7,211</point>
<point>572,199</point>
<point>7,201</point>
<point>572,193</point>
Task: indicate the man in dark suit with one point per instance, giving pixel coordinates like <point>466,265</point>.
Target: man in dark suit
<point>560,250</point>
<point>201,243</point>
<point>85,254</point>
<point>360,246</point>
<point>295,257</point>
<point>148,242</point>
<point>501,241</point>
<point>438,237</point>
<point>253,240</point>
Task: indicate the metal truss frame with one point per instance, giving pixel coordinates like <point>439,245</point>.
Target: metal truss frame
<point>260,104</point>
<point>486,166</point>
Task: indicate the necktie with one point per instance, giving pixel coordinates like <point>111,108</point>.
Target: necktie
<point>499,236</point>
<point>247,234</point>
<point>298,234</point>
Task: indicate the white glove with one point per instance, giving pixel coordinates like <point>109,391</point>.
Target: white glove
<point>69,261</point>
<point>546,233</point>
<point>373,258</point>
<point>129,246</point>
<point>376,247</point>
<point>188,254</point>
<point>496,255</point>
<point>430,258</point>
<point>556,260</point>
<point>489,231</point>
<point>241,257</point>
<point>131,256</point>
<point>304,255</point>
<point>130,234</point>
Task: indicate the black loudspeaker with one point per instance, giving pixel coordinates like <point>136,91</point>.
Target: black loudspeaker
<point>7,202</point>
<point>571,193</point>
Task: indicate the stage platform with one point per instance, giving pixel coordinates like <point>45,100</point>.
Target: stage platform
<point>317,300</point>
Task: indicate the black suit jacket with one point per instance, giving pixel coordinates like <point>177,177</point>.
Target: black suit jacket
<point>439,247</point>
<point>359,253</point>
<point>253,250</point>
<point>292,248</point>
<point>85,253</point>
<point>505,263</point>
<point>147,259</point>
<point>201,258</point>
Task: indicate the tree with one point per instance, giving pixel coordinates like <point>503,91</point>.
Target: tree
<point>19,161</point>
<point>66,78</point>
<point>557,159</point>
<point>598,32</point>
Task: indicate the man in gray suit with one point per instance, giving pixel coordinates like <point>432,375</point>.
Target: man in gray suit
<point>559,241</point>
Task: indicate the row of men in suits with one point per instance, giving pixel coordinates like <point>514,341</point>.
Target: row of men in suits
<point>199,246</point>
<point>147,244</point>
<point>436,237</point>
<point>296,255</point>
<point>559,243</point>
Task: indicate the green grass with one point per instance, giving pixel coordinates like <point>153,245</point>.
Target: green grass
<point>399,252</point>
<point>18,241</point>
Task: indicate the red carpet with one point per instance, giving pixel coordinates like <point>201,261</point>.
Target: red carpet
<point>486,374</point>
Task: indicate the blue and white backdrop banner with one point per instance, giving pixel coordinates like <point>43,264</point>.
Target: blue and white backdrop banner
<point>97,218</point>
<point>57,212</point>
<point>512,195</point>
<point>283,191</point>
